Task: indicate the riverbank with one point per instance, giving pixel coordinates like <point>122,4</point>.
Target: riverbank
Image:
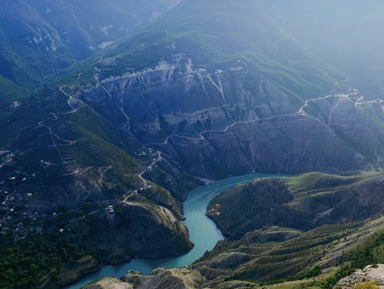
<point>203,233</point>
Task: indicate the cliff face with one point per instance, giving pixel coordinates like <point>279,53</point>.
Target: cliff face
<point>63,165</point>
<point>136,228</point>
<point>269,254</point>
<point>218,122</point>
<point>227,97</point>
<point>303,202</point>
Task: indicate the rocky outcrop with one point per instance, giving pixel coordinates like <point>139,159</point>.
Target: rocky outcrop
<point>109,283</point>
<point>181,278</point>
<point>372,275</point>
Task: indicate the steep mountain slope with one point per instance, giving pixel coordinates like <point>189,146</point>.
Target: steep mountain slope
<point>88,26</point>
<point>11,94</point>
<point>304,202</point>
<point>212,85</point>
<point>314,259</point>
<point>265,244</point>
<point>274,257</point>
<point>39,38</point>
<point>67,170</point>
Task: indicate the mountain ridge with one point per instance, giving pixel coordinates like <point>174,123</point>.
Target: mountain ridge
<point>211,89</point>
<point>41,38</point>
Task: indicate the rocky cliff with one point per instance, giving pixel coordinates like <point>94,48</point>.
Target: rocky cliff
<point>203,134</point>
<point>248,108</point>
<point>220,121</point>
<point>69,171</point>
<point>183,278</point>
<point>137,227</point>
<point>304,202</point>
<point>371,276</point>
<point>289,258</point>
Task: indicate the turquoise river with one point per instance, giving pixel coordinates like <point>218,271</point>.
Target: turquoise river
<point>203,233</point>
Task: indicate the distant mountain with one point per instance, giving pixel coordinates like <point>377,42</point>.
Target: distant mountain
<point>39,38</point>
<point>346,33</point>
<point>214,84</point>
<point>88,26</point>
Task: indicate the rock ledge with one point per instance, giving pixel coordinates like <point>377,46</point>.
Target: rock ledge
<point>370,273</point>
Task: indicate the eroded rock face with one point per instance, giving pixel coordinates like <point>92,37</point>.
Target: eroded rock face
<point>373,273</point>
<point>220,122</point>
<point>109,283</point>
<point>278,202</point>
<point>136,228</point>
<point>181,278</point>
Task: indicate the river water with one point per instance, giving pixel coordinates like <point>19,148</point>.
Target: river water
<point>203,233</point>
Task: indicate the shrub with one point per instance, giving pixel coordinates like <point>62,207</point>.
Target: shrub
<point>366,285</point>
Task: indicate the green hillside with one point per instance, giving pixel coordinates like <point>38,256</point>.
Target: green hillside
<point>276,254</point>
<point>302,202</point>
<point>214,36</point>
<point>38,39</point>
<point>10,92</point>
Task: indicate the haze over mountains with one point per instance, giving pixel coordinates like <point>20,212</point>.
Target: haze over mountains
<point>346,34</point>
<point>130,104</point>
<point>38,38</point>
<point>212,81</point>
